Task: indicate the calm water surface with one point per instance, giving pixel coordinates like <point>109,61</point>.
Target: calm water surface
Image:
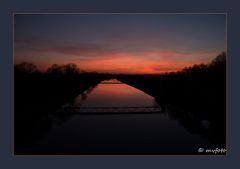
<point>112,93</point>
<point>120,133</point>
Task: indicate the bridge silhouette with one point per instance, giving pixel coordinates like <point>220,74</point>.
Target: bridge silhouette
<point>79,109</point>
<point>111,83</point>
<point>109,110</point>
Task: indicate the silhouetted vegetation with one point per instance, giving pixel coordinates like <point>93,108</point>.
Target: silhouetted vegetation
<point>38,94</point>
<point>26,67</point>
<point>68,69</point>
<point>194,96</point>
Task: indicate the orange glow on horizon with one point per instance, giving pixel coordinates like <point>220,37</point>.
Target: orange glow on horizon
<point>148,63</point>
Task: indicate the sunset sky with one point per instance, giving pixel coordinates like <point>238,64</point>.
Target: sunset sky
<point>119,43</point>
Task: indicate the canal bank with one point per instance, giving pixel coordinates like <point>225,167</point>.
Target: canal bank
<point>115,134</point>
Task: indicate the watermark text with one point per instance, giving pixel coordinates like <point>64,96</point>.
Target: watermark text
<point>212,151</point>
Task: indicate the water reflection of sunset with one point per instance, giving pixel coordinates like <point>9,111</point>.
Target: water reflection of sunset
<point>115,95</point>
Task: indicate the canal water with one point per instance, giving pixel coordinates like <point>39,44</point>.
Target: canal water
<point>143,133</point>
<point>112,93</point>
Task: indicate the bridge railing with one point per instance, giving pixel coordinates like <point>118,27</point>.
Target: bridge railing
<point>109,110</point>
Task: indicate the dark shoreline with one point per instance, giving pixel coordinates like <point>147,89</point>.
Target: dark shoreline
<point>192,100</point>
<point>194,97</point>
<point>37,96</point>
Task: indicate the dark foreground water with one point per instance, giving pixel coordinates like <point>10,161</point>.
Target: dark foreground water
<point>115,132</point>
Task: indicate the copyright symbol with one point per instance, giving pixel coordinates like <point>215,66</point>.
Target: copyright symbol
<point>200,150</point>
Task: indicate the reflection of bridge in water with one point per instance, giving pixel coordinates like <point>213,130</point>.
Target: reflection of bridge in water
<point>110,110</point>
<point>112,97</point>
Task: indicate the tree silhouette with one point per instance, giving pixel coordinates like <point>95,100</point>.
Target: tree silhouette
<point>218,61</point>
<point>71,69</point>
<point>55,69</point>
<point>221,58</point>
<point>64,69</point>
<point>26,67</point>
